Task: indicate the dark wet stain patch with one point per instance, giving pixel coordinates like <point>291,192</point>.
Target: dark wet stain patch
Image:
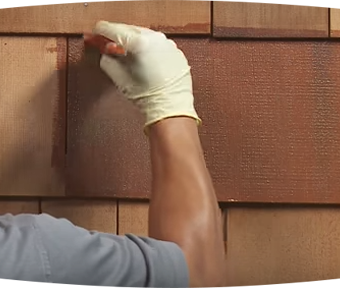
<point>190,28</point>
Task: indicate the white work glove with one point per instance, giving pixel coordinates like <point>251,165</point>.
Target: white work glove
<point>154,74</point>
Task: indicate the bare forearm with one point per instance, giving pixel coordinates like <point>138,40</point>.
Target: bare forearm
<point>183,207</point>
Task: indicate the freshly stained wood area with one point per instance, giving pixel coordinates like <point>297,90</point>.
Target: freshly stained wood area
<point>19,206</point>
<point>270,130</point>
<point>271,118</point>
<point>168,16</point>
<point>108,153</point>
<point>133,218</point>
<point>32,115</point>
<point>335,22</point>
<point>282,245</point>
<point>236,19</point>
<point>97,215</point>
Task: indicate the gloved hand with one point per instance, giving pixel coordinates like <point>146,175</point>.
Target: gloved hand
<point>154,74</point>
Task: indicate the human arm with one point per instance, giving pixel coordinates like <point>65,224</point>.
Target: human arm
<point>183,208</point>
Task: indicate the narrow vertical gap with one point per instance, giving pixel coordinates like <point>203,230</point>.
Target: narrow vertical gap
<point>225,230</point>
<point>329,22</point>
<point>117,217</point>
<point>212,18</point>
<point>39,205</point>
<point>66,97</point>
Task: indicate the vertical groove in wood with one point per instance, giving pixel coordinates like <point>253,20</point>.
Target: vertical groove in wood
<point>66,97</point>
<point>133,218</point>
<point>40,207</point>
<point>225,229</point>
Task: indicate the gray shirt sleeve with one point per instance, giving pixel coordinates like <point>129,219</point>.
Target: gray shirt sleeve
<point>45,249</point>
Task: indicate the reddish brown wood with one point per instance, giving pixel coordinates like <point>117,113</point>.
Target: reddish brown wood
<point>270,130</point>
<point>19,206</point>
<point>107,150</point>
<point>271,115</point>
<point>179,17</point>
<point>256,20</point>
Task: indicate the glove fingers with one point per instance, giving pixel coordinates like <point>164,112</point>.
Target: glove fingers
<point>126,36</point>
<point>118,72</point>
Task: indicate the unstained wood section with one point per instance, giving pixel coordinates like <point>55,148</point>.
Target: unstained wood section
<point>108,153</point>
<point>93,215</point>
<point>168,16</point>
<point>133,218</point>
<point>32,115</point>
<point>335,22</point>
<point>19,206</point>
<point>237,19</point>
<point>271,118</point>
<point>282,245</point>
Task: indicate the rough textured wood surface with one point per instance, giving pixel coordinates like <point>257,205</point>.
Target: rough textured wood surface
<point>107,150</point>
<point>271,120</point>
<point>133,218</point>
<point>282,245</point>
<point>237,19</point>
<point>19,206</point>
<point>335,22</point>
<point>32,115</point>
<point>94,215</point>
<point>168,16</point>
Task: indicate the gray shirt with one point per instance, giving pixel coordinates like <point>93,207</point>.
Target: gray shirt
<point>41,248</point>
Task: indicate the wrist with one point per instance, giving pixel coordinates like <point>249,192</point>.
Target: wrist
<point>171,105</point>
<point>173,125</point>
<point>176,140</point>
<point>175,130</point>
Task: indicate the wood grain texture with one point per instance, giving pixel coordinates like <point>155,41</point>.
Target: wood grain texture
<point>108,153</point>
<point>237,19</point>
<point>133,218</point>
<point>271,118</point>
<point>94,215</point>
<point>335,22</point>
<point>167,16</point>
<point>32,115</point>
<point>282,245</point>
<point>19,206</point>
